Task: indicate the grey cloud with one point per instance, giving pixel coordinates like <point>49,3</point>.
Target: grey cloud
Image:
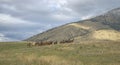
<point>95,7</point>
<point>37,11</point>
<point>3,38</point>
<point>20,19</point>
<point>20,29</point>
<point>40,10</point>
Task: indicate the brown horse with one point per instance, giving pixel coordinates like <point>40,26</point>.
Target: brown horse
<point>67,41</point>
<point>31,44</point>
<point>55,42</point>
<point>41,43</point>
<point>47,43</point>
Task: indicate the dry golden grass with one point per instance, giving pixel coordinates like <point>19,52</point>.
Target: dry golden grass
<point>66,48</point>
<point>107,35</point>
<point>27,58</point>
<point>55,60</point>
<point>79,26</point>
<point>45,60</point>
<point>84,53</point>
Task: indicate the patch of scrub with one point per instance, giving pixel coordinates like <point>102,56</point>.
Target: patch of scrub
<point>107,35</point>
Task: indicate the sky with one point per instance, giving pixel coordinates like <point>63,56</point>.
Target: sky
<point>21,19</point>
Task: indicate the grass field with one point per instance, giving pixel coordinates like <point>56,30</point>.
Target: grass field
<point>97,53</point>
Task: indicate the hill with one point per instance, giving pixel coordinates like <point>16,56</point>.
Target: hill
<point>103,27</point>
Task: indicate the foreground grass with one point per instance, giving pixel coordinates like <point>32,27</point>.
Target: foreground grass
<point>97,53</point>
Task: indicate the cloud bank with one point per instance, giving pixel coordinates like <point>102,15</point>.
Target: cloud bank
<point>20,19</point>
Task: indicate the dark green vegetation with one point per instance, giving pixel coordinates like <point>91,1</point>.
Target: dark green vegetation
<point>84,53</point>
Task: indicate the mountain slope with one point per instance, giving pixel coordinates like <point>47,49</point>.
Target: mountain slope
<point>103,27</point>
<point>60,33</point>
<point>112,18</point>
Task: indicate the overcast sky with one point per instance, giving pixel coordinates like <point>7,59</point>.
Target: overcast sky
<point>20,19</point>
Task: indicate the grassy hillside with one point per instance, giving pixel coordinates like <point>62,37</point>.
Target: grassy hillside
<point>61,33</point>
<point>83,28</point>
<point>83,53</point>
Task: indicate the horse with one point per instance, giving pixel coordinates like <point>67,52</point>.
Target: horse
<point>47,43</point>
<point>31,44</point>
<point>67,41</point>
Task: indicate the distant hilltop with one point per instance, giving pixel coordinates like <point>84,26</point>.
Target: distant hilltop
<point>103,27</point>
